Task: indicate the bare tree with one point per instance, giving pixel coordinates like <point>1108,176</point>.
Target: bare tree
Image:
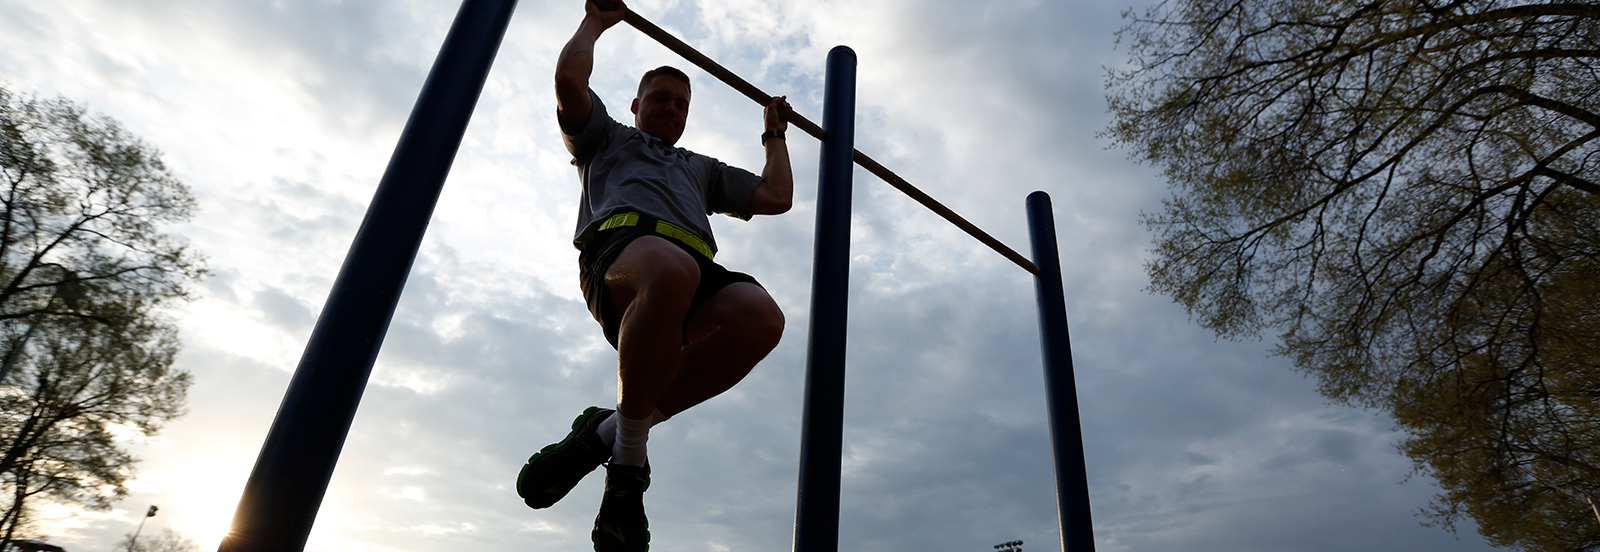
<point>165,541</point>
<point>84,276</point>
<point>1407,191</point>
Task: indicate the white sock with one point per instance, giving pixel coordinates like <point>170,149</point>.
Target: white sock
<point>632,435</point>
<point>608,428</point>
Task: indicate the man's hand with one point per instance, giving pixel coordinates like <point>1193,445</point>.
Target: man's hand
<point>573,105</point>
<point>777,113</point>
<point>605,12</point>
<point>776,193</point>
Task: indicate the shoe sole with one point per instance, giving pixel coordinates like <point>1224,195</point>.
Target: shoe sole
<point>543,500</point>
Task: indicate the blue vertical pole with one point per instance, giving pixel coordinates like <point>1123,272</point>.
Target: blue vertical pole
<point>285,489</point>
<point>1066,431</point>
<point>816,519</point>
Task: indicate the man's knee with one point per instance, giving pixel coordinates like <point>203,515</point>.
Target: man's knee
<point>761,318</point>
<point>769,325</point>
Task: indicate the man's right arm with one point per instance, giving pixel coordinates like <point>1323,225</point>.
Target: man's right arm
<point>573,105</point>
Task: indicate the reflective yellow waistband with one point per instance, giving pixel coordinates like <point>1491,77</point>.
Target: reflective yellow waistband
<point>662,227</point>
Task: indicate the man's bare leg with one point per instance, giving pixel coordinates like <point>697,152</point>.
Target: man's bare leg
<point>651,284</point>
<point>728,335</point>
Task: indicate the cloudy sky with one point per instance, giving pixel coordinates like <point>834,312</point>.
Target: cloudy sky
<point>281,114</point>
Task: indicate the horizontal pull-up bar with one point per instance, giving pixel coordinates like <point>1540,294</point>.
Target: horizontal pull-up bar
<point>750,91</point>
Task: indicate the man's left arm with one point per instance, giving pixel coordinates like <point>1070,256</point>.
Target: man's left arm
<point>776,193</point>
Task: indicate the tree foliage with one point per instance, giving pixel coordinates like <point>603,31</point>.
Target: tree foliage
<point>84,275</point>
<point>1407,191</point>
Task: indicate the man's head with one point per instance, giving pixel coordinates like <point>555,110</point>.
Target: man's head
<point>662,107</point>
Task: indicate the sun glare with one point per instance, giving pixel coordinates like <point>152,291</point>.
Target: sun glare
<point>197,493</point>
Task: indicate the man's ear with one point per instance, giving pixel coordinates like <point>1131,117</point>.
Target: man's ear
<point>634,107</point>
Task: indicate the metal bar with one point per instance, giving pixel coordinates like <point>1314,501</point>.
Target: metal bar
<point>751,91</point>
<point>816,519</point>
<point>711,66</point>
<point>1066,430</point>
<point>291,475</point>
<point>949,215</point>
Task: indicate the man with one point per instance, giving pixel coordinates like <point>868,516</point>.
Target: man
<point>685,328</point>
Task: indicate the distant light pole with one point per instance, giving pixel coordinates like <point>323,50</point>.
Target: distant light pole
<point>1013,546</point>
<point>147,515</point>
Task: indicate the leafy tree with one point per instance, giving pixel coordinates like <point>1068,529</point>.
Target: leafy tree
<point>84,277</point>
<point>1407,191</point>
<point>165,541</point>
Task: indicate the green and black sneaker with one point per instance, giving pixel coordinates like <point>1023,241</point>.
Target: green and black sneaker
<point>553,471</point>
<point>621,525</point>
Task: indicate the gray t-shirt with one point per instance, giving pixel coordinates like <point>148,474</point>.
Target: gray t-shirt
<point>623,169</point>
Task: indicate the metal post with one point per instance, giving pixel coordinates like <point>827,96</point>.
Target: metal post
<point>1066,432</point>
<point>285,489</point>
<point>134,540</point>
<point>816,519</point>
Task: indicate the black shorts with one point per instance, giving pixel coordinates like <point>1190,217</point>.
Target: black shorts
<point>602,250</point>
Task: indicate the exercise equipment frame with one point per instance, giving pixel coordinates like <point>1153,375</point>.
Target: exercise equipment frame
<point>279,504</point>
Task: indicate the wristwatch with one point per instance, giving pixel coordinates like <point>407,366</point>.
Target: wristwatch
<point>768,135</point>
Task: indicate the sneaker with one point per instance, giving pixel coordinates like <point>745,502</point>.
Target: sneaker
<point>556,469</point>
<point>621,525</point>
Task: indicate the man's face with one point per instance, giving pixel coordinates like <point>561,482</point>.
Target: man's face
<point>662,109</point>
